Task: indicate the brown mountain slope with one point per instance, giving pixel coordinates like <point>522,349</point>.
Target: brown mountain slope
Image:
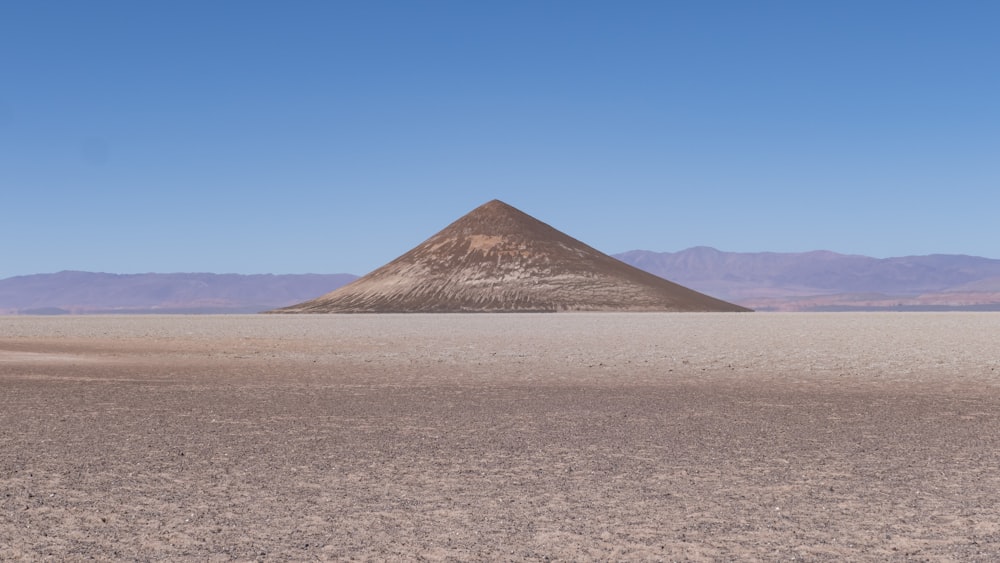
<point>497,258</point>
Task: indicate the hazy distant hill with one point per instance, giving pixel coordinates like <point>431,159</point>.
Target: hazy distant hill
<point>823,280</point>
<point>764,281</point>
<point>87,292</point>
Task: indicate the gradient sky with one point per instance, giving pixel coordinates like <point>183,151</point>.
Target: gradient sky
<point>293,137</point>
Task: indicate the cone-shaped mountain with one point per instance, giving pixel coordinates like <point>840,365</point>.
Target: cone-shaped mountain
<point>499,259</point>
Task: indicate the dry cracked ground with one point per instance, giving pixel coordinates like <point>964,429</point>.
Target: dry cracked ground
<point>673,437</point>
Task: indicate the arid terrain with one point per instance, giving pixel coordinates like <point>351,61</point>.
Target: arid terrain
<point>590,436</point>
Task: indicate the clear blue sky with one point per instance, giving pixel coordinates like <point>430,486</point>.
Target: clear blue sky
<point>293,137</point>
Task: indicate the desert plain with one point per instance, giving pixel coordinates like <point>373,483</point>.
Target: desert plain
<point>604,436</point>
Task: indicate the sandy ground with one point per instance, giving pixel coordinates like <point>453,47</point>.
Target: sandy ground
<point>862,437</point>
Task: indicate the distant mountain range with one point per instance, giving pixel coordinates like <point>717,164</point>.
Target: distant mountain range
<point>87,292</point>
<point>827,281</point>
<point>764,281</point>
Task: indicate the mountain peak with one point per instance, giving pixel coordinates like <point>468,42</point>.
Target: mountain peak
<point>499,219</point>
<point>498,258</point>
